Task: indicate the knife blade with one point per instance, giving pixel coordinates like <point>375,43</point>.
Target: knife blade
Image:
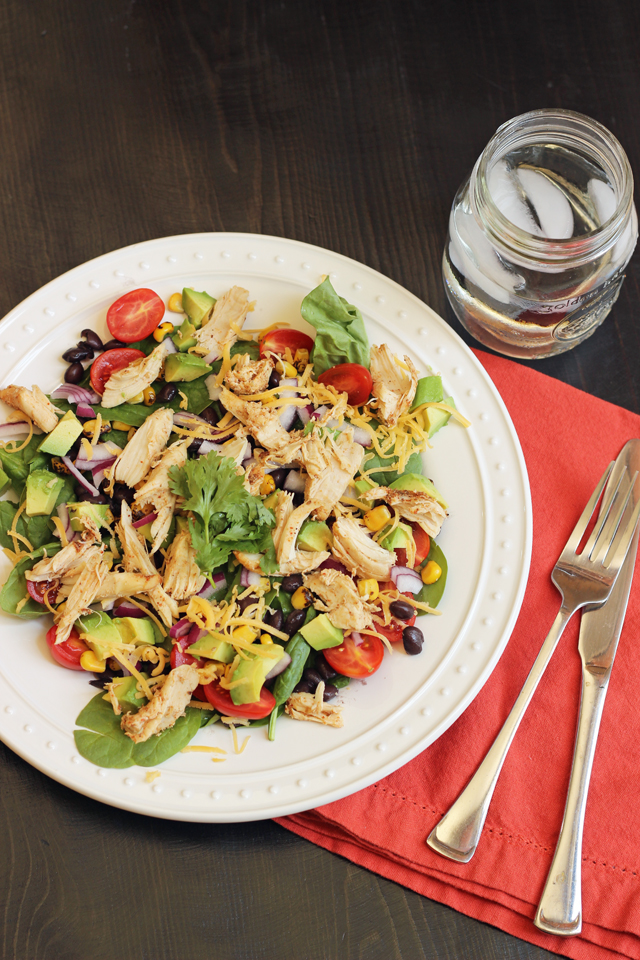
<point>560,908</point>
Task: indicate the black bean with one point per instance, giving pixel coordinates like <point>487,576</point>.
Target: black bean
<point>312,676</point>
<point>74,373</point>
<point>92,337</point>
<point>291,583</point>
<point>90,498</point>
<point>86,348</point>
<point>401,609</point>
<point>324,669</point>
<point>412,639</point>
<point>209,415</point>
<point>329,692</point>
<point>114,345</point>
<point>247,601</point>
<point>120,492</point>
<point>167,393</point>
<point>303,687</point>
<point>194,446</point>
<point>275,619</point>
<point>74,354</point>
<point>298,499</point>
<point>294,621</point>
<point>279,476</point>
<point>274,379</point>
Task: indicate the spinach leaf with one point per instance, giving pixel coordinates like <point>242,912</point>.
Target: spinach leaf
<point>135,414</point>
<point>339,681</point>
<point>16,464</point>
<point>414,465</point>
<point>431,593</point>
<point>15,589</point>
<point>341,336</point>
<point>105,744</point>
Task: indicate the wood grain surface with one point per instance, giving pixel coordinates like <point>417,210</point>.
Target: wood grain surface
<point>344,124</point>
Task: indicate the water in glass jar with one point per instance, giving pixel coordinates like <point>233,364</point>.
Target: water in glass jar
<point>539,308</point>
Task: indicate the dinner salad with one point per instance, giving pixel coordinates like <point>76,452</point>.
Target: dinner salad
<point>220,523</point>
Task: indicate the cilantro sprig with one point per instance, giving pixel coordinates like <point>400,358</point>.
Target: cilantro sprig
<point>224,516</point>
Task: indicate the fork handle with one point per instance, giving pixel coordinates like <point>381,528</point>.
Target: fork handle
<point>560,909</point>
<point>456,836</point>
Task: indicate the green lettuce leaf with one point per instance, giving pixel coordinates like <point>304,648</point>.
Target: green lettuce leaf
<point>15,588</point>
<point>341,336</point>
<point>384,478</point>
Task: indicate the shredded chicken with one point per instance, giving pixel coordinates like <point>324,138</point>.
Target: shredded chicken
<point>254,474</point>
<point>393,386</point>
<point>81,595</point>
<point>71,559</point>
<point>232,308</point>
<point>331,466</point>
<point>339,599</point>
<point>353,547</point>
<point>136,560</point>
<point>307,706</point>
<point>156,493</point>
<point>125,384</point>
<point>34,403</point>
<point>262,422</point>
<point>162,711</point>
<point>236,448</point>
<point>182,577</point>
<point>249,376</point>
<point>135,460</point>
<point>285,534</point>
<point>116,585</point>
<point>416,507</point>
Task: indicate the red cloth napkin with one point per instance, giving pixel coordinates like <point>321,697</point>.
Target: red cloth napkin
<point>567,437</point>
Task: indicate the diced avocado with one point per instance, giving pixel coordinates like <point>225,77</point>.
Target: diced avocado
<point>437,418</point>
<point>398,539</point>
<point>315,535</point>
<point>271,500</point>
<point>135,629</point>
<point>429,390</point>
<point>197,306</point>
<point>5,482</point>
<point>63,436</point>
<point>100,634</point>
<point>321,633</point>
<point>100,513</point>
<point>125,690</point>
<point>43,488</point>
<point>255,671</point>
<point>212,648</point>
<point>184,367</point>
<point>418,484</point>
<point>362,486</point>
<point>184,336</point>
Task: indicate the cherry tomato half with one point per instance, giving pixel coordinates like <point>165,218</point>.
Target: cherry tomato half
<point>179,656</point>
<point>353,659</point>
<point>277,341</point>
<point>110,362</point>
<point>221,700</point>
<point>38,589</point>
<point>423,543</point>
<point>350,378</point>
<point>67,653</point>
<point>135,315</point>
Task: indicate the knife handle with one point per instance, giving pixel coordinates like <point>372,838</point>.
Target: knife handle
<point>560,908</point>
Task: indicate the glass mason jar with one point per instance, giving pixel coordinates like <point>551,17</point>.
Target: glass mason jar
<point>540,234</point>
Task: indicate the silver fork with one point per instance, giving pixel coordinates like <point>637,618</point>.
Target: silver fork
<point>584,578</point>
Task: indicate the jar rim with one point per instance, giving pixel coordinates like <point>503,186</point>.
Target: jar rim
<point>567,128</point>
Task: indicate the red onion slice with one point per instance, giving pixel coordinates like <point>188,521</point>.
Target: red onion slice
<point>331,564</point>
<point>288,416</point>
<point>319,413</point>
<point>129,610</point>
<point>84,410</point>
<point>75,394</point>
<point>280,666</point>
<point>63,513</point>
<point>218,582</point>
<point>17,428</point>
<point>180,629</point>
<point>406,579</point>
<point>208,446</point>
<point>76,473</point>
<point>143,521</point>
<point>196,633</point>
<point>248,578</point>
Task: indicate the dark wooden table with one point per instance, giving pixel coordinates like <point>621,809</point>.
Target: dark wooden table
<point>349,125</point>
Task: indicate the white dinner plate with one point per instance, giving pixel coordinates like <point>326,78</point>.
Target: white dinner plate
<point>410,701</point>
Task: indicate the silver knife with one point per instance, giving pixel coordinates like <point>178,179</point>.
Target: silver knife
<point>560,908</point>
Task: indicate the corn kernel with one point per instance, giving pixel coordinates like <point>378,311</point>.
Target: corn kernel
<point>119,425</point>
<point>265,638</point>
<point>89,661</point>
<point>301,599</point>
<point>431,573</point>
<point>377,518</point>
<point>139,397</point>
<point>165,328</point>
<point>301,356</point>
<point>175,303</point>
<point>286,369</point>
<point>89,427</point>
<point>131,434</point>
<point>267,486</point>
<point>244,633</point>
<point>59,466</point>
<point>368,589</point>
<point>149,395</point>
